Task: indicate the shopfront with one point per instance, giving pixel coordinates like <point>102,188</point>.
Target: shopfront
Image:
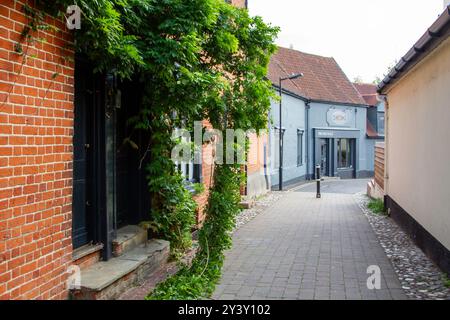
<point>336,151</point>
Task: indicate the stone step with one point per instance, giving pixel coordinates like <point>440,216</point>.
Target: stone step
<point>247,204</point>
<point>107,280</point>
<point>127,239</point>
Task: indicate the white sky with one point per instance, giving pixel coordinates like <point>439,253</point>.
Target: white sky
<point>364,36</point>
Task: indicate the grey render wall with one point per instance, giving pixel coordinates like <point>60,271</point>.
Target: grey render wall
<point>373,113</point>
<point>318,119</point>
<point>370,153</point>
<point>293,116</point>
<point>381,112</point>
<point>294,119</point>
<point>381,106</point>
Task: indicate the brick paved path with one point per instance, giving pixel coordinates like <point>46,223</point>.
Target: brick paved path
<point>305,248</point>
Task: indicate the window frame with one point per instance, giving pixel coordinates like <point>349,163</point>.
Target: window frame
<point>349,153</point>
<point>381,115</point>
<point>300,135</point>
<point>190,171</point>
<point>276,160</point>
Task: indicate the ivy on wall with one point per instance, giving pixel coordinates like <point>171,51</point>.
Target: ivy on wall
<point>195,59</point>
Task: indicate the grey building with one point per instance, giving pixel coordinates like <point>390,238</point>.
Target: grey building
<point>375,117</point>
<point>324,120</point>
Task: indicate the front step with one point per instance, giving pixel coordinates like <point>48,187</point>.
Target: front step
<point>128,238</point>
<point>106,280</point>
<point>247,204</point>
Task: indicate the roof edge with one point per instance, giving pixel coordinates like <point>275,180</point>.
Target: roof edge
<point>305,99</point>
<point>340,103</point>
<point>422,48</point>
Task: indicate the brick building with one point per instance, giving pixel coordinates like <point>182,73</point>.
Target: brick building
<point>36,129</point>
<point>70,193</point>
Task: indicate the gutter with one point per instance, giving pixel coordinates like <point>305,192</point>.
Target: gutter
<point>290,93</point>
<point>308,100</point>
<point>439,30</point>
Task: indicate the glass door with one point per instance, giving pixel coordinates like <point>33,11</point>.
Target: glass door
<point>324,148</point>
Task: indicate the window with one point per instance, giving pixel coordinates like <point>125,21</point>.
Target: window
<point>276,152</point>
<point>344,154</point>
<point>381,123</point>
<point>299,147</point>
<point>188,169</point>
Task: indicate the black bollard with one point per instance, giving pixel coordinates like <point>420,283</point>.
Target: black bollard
<point>318,196</point>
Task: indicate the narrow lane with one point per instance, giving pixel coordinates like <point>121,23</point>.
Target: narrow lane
<point>308,248</point>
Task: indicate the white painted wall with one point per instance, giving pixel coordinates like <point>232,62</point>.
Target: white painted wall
<point>418,143</point>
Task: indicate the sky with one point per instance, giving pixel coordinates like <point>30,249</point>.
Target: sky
<point>364,36</point>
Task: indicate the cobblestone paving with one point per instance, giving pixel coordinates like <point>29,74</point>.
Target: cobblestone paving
<point>307,248</point>
<point>421,279</point>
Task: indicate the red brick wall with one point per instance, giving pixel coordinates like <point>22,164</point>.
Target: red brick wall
<point>207,174</point>
<point>36,128</point>
<point>239,3</point>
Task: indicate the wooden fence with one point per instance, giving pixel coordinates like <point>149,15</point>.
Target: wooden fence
<point>379,164</point>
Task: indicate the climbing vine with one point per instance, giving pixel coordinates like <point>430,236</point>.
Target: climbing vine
<point>194,59</point>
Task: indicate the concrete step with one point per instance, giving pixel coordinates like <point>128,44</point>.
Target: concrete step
<point>128,238</point>
<point>247,204</point>
<point>107,280</point>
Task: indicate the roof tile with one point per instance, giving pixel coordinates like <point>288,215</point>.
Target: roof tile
<point>368,92</point>
<point>323,79</point>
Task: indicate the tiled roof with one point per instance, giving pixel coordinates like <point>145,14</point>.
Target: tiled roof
<point>368,92</point>
<point>323,79</point>
<point>366,88</point>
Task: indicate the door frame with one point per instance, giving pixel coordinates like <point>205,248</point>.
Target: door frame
<point>100,219</point>
<point>83,143</point>
<point>327,170</point>
<point>332,134</point>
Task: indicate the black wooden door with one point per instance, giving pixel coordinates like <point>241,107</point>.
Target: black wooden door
<point>82,178</point>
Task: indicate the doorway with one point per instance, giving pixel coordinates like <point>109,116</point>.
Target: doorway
<point>345,157</point>
<point>324,156</point>
<point>82,219</point>
<point>109,179</point>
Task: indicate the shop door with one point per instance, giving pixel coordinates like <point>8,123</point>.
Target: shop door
<point>324,156</point>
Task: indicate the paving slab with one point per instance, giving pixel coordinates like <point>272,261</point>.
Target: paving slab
<point>307,248</point>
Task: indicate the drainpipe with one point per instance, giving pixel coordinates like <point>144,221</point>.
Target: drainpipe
<point>307,107</point>
<point>386,144</point>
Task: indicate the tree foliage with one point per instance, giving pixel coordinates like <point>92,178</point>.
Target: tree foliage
<point>194,59</point>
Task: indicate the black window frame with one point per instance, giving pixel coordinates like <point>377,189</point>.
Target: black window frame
<point>349,161</point>
<point>300,134</point>
<point>187,166</point>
